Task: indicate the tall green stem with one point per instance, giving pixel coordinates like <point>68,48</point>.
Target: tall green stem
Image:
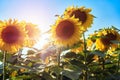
<point>4,64</point>
<point>58,57</point>
<point>85,55</point>
<point>58,61</point>
<point>118,62</point>
<point>103,64</point>
<point>118,59</point>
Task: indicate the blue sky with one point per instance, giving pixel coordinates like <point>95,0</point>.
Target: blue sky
<point>42,12</point>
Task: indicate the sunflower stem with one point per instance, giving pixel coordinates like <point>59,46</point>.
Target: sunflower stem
<point>85,55</point>
<point>103,62</point>
<point>58,61</point>
<point>58,57</point>
<point>118,62</point>
<point>4,65</point>
<point>118,59</point>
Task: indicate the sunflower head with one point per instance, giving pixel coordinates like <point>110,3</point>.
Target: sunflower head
<point>106,37</point>
<point>82,13</point>
<point>112,49</point>
<point>1,22</point>
<point>12,36</point>
<point>91,40</point>
<point>33,33</point>
<point>66,31</point>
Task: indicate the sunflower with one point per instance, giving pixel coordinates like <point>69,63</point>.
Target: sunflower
<point>91,40</point>
<point>66,31</point>
<point>1,22</point>
<point>82,13</point>
<point>112,49</point>
<point>12,36</point>
<point>89,44</point>
<point>106,37</point>
<point>33,34</point>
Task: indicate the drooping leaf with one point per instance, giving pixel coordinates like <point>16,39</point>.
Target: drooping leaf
<point>74,75</point>
<point>89,58</point>
<point>115,28</point>
<point>115,42</point>
<point>56,70</point>
<point>99,53</point>
<point>46,76</point>
<point>77,63</point>
<point>70,55</point>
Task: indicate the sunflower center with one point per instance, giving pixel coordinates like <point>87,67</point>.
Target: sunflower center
<point>65,29</point>
<point>108,38</point>
<point>10,34</point>
<point>80,15</point>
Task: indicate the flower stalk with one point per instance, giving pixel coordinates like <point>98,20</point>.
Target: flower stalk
<point>118,62</point>
<point>103,64</point>
<point>118,59</point>
<point>4,65</point>
<point>85,57</point>
<point>58,61</point>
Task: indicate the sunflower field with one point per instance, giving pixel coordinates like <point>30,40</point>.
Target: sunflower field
<point>69,54</point>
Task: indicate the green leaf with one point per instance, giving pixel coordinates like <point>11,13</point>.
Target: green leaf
<point>56,70</point>
<point>77,63</point>
<point>23,77</point>
<point>89,58</point>
<point>115,42</point>
<point>80,56</point>
<point>74,75</point>
<point>99,53</point>
<point>30,64</point>
<point>117,51</point>
<point>78,44</point>
<point>46,76</point>
<point>73,68</point>
<point>70,55</point>
<point>115,28</point>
